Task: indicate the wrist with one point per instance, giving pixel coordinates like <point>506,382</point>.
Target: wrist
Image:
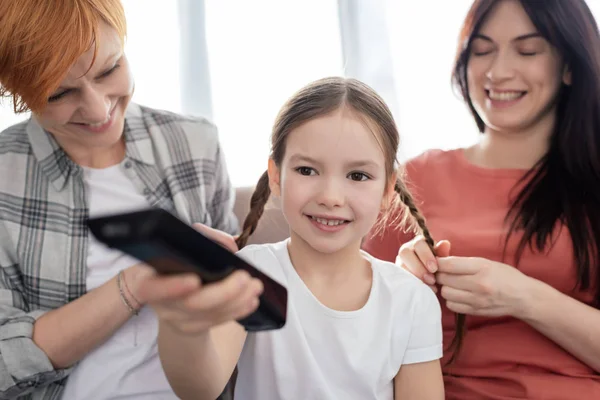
<point>132,278</point>
<point>533,296</point>
<point>127,297</point>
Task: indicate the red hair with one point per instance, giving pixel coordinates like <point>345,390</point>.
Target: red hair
<point>41,40</point>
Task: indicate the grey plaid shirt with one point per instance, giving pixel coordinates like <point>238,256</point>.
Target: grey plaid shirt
<point>176,162</point>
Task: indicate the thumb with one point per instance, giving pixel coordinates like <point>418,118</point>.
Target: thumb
<point>442,248</point>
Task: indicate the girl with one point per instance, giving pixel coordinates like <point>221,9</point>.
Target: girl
<point>357,327</point>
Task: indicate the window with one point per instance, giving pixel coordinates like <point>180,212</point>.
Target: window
<point>423,43</point>
<point>260,53</point>
<point>152,49</point>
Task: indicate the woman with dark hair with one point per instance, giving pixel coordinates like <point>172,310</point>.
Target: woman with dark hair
<point>520,209</point>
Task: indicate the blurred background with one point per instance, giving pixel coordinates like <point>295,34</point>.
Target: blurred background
<point>236,62</point>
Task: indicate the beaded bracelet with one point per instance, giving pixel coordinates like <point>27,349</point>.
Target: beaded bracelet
<point>120,279</point>
<point>129,291</point>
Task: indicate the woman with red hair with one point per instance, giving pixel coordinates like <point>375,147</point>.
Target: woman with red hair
<point>68,305</point>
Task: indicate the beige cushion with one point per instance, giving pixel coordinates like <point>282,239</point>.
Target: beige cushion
<point>272,226</point>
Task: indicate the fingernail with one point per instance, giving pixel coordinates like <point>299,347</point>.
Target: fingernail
<point>432,266</point>
<point>429,279</point>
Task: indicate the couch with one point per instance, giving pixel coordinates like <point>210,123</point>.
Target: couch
<point>272,226</point>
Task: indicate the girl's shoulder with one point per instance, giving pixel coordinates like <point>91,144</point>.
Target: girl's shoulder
<point>393,276</point>
<point>269,258</point>
<point>406,291</point>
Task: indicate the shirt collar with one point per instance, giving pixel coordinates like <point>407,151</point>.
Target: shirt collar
<point>59,167</point>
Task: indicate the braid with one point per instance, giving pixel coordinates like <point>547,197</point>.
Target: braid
<point>407,200</point>
<point>257,206</point>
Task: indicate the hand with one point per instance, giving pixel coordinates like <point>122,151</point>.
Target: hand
<point>223,238</point>
<point>191,308</point>
<point>417,258</point>
<point>477,286</point>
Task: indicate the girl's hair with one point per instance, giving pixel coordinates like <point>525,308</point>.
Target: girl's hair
<point>564,186</point>
<point>41,40</point>
<point>318,99</point>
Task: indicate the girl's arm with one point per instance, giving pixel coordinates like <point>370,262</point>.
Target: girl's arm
<point>420,373</point>
<point>419,381</point>
<point>199,366</point>
<point>199,340</point>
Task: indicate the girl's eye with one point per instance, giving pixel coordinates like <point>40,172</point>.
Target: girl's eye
<point>358,176</point>
<point>306,171</point>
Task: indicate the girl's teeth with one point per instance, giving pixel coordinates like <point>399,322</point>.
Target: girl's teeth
<point>329,222</point>
<point>504,96</point>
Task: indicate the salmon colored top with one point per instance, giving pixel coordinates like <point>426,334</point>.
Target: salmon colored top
<point>501,358</point>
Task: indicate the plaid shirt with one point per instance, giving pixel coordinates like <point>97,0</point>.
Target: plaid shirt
<point>176,162</point>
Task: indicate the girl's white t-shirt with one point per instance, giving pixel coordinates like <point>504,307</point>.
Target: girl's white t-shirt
<point>326,354</point>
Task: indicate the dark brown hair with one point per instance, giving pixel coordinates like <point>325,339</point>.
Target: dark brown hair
<point>564,186</point>
<point>321,98</point>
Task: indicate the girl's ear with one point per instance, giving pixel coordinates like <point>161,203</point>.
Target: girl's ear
<point>274,178</point>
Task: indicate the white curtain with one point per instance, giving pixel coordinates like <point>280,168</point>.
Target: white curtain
<point>366,47</point>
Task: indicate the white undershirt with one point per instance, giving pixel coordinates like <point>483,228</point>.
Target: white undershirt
<point>126,366</point>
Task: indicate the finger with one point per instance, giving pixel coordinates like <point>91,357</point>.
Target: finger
<point>460,308</point>
<point>160,288</point>
<point>463,282</point>
<point>426,256</point>
<point>243,304</point>
<point>457,295</point>
<point>249,303</point>
<point>442,248</point>
<point>218,294</point>
<point>222,238</point>
<point>459,265</point>
<point>408,260</point>
<point>239,306</point>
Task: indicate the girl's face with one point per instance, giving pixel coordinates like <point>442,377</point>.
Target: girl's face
<point>331,181</point>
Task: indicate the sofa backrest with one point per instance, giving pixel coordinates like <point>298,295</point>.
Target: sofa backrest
<point>272,226</point>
